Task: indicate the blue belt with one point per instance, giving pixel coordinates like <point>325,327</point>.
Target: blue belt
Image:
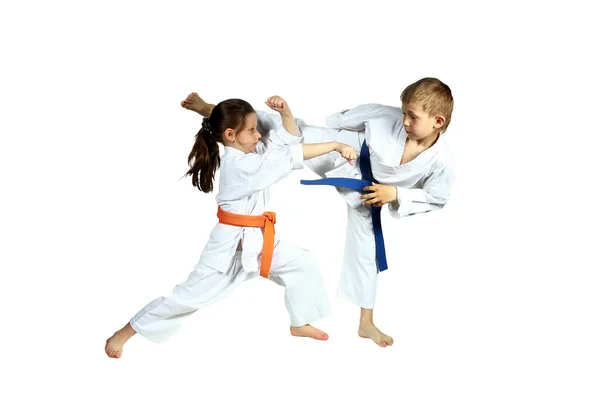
<point>358,185</point>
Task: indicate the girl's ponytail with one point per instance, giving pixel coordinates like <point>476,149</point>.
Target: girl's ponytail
<point>204,159</point>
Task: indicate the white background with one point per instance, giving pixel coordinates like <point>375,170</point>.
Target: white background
<point>493,297</point>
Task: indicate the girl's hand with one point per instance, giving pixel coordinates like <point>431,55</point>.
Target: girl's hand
<point>278,104</point>
<point>348,152</point>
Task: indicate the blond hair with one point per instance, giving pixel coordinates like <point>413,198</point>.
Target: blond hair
<point>433,95</point>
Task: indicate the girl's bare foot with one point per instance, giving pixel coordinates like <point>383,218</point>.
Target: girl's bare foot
<point>194,102</point>
<point>114,344</point>
<point>308,331</point>
<point>369,330</point>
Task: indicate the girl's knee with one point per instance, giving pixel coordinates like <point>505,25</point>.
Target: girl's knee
<point>310,259</point>
<point>311,265</point>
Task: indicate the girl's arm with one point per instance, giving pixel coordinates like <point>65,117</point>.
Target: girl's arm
<point>278,104</point>
<point>255,172</point>
<point>313,150</point>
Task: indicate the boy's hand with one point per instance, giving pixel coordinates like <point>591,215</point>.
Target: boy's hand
<point>381,194</point>
<point>348,152</point>
<point>278,104</point>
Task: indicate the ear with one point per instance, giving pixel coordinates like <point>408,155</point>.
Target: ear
<point>229,135</point>
<point>439,121</point>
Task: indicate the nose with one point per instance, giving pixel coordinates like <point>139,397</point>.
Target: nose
<point>405,120</point>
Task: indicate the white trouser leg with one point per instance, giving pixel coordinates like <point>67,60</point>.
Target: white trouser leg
<point>358,280</point>
<point>163,316</point>
<point>297,270</point>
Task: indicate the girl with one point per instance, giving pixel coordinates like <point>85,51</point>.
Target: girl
<point>251,163</point>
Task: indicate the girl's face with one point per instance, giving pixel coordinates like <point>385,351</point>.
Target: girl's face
<point>246,139</point>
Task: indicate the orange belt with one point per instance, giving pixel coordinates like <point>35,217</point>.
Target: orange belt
<point>266,221</point>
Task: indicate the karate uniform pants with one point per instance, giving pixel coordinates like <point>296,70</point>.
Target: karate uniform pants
<point>358,279</point>
<point>292,267</point>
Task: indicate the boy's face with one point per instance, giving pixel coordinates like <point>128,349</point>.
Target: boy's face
<point>418,124</point>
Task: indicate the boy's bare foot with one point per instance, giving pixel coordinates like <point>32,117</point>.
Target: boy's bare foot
<point>308,331</point>
<point>194,102</point>
<point>114,344</point>
<point>369,330</point>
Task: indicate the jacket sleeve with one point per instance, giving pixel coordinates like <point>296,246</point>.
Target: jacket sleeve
<point>432,196</point>
<point>255,172</point>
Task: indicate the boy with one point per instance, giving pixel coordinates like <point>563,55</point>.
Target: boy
<point>412,172</point>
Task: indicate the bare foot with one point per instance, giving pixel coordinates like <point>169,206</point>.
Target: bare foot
<point>308,331</point>
<point>372,332</point>
<point>114,344</point>
<point>194,102</point>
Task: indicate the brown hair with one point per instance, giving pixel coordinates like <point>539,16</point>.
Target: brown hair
<point>433,95</point>
<point>204,159</point>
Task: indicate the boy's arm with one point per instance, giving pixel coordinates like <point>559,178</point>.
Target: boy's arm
<point>403,202</point>
<point>433,196</point>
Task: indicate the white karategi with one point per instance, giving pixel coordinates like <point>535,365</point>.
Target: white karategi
<point>423,184</point>
<point>244,189</point>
